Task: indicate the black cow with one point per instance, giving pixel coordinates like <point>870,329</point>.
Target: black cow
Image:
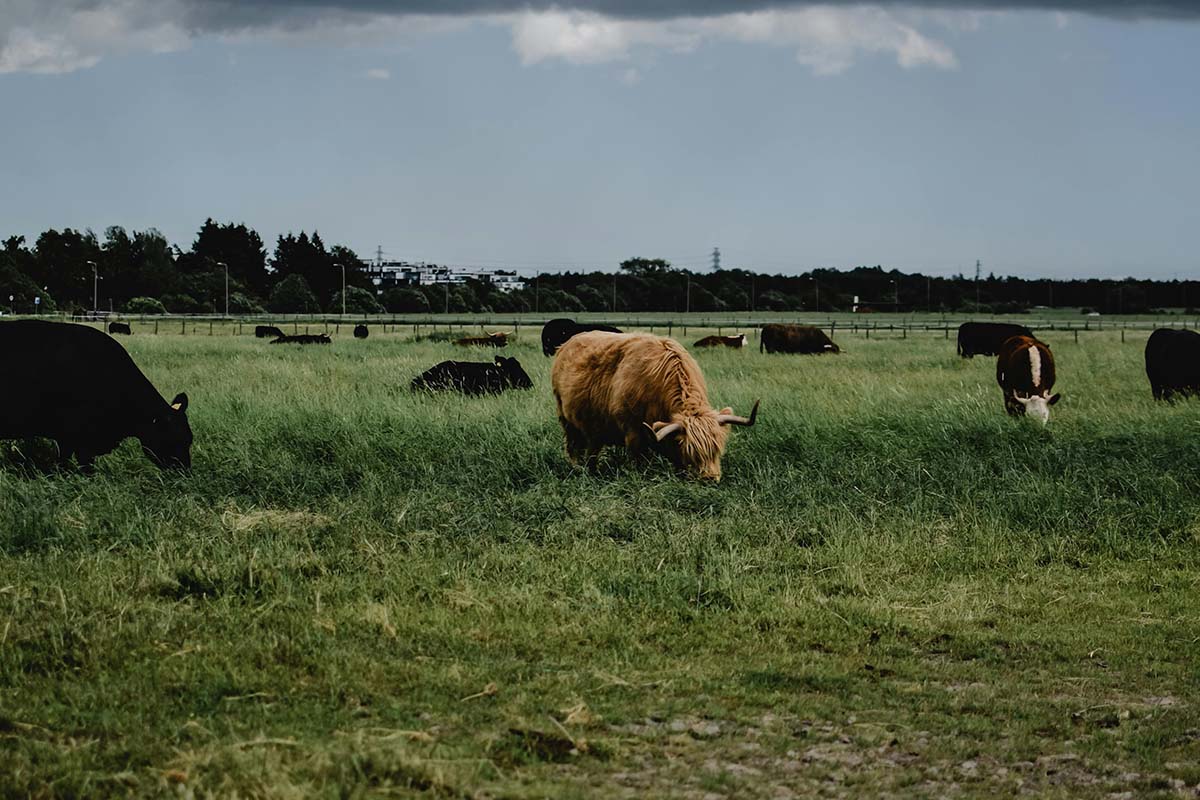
<point>73,384</point>
<point>1173,363</point>
<point>804,339</point>
<point>267,331</point>
<point>556,332</point>
<point>985,338</point>
<point>119,327</point>
<point>304,338</point>
<point>360,331</point>
<point>474,377</point>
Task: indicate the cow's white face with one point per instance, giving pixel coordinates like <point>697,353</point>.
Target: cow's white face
<point>1038,406</point>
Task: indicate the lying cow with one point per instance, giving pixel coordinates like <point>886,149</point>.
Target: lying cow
<point>1025,372</point>
<point>491,340</point>
<point>557,331</point>
<point>360,331</point>
<point>1173,363</point>
<point>472,377</point>
<point>718,341</point>
<point>304,338</point>
<point>267,332</point>
<point>643,392</point>
<point>119,328</point>
<point>73,384</point>
<point>804,339</point>
<point>985,338</point>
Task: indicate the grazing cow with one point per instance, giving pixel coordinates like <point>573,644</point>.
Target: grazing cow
<point>805,339</point>
<point>557,331</point>
<point>727,341</point>
<point>640,391</point>
<point>473,377</point>
<point>304,338</point>
<point>119,327</point>
<point>360,331</point>
<point>985,338</point>
<point>1173,363</point>
<point>267,331</point>
<point>491,340</point>
<point>1025,372</point>
<point>73,384</point>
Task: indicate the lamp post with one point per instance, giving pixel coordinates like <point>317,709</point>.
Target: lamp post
<point>343,266</point>
<point>896,297</point>
<point>816,295</point>
<point>95,288</point>
<point>226,266</point>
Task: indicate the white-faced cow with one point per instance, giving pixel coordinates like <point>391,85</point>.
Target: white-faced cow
<point>79,387</point>
<point>722,341</point>
<point>643,392</point>
<point>1025,372</point>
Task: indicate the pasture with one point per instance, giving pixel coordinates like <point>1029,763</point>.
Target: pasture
<point>895,589</point>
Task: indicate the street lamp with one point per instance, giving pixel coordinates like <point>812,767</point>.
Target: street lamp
<point>343,266</point>
<point>95,288</point>
<point>896,297</point>
<point>817,293</point>
<point>226,266</point>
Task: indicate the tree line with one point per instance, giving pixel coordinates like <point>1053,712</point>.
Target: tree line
<point>140,272</point>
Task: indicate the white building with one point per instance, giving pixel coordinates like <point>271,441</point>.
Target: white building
<point>388,274</point>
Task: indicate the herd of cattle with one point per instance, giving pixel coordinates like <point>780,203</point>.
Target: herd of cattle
<point>73,384</point>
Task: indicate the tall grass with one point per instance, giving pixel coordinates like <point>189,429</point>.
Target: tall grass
<point>890,566</point>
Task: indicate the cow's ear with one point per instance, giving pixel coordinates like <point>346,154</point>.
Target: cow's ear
<point>1054,399</point>
<point>180,402</point>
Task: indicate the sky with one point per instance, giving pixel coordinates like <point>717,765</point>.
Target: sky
<point>1047,140</point>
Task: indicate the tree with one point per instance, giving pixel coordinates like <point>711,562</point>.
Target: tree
<point>23,291</point>
<point>238,246</point>
<point>593,299</point>
<point>646,266</point>
<point>241,303</point>
<point>405,300</point>
<point>358,301</point>
<point>144,305</point>
<point>292,296</point>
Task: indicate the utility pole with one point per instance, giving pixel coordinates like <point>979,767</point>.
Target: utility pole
<point>343,266</point>
<point>226,266</point>
<point>614,302</point>
<point>716,259</point>
<point>817,294</point>
<point>978,264</point>
<point>687,300</point>
<point>447,308</point>
<point>929,293</point>
<point>95,288</point>
<point>537,293</point>
<point>752,292</point>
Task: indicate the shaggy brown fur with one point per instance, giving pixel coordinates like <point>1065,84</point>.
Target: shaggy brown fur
<point>727,341</point>
<point>623,388</point>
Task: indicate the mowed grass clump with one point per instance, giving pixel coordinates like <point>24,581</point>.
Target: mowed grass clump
<point>358,590</point>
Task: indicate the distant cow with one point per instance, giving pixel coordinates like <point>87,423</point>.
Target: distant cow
<point>360,331</point>
<point>472,377</point>
<point>267,331</point>
<point>643,392</point>
<point>804,339</point>
<point>557,331</point>
<point>985,338</point>
<point>119,327</point>
<point>491,340</point>
<point>1173,363</point>
<point>73,384</point>
<point>1025,372</point>
<point>718,341</point>
<point>304,338</point>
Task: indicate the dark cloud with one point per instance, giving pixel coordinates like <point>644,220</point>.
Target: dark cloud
<point>236,13</point>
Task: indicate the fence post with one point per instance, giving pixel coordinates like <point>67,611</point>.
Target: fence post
<point>670,326</point>
<point>183,327</point>
<point>1076,332</point>
<point>210,327</point>
<point>156,327</point>
<point>1122,336</point>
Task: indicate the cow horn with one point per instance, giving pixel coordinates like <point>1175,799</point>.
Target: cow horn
<point>733,419</point>
<point>663,432</point>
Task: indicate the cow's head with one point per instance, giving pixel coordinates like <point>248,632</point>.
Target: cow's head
<point>741,340</point>
<point>167,439</point>
<point>832,348</point>
<point>695,443</point>
<point>514,375</point>
<point>1038,405</point>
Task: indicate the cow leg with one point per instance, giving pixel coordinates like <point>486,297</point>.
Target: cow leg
<point>577,443</point>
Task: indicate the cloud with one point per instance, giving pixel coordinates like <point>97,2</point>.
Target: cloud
<point>52,36</point>
<point>377,74</point>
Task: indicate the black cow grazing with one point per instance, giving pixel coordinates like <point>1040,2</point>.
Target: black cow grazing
<point>119,327</point>
<point>805,339</point>
<point>1025,372</point>
<point>473,377</point>
<point>360,331</point>
<point>73,384</point>
<point>556,332</point>
<point>985,338</point>
<point>1173,363</point>
<point>718,341</point>
<point>267,331</point>
<point>304,338</point>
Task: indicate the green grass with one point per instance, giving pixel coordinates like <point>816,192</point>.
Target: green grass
<point>895,589</point>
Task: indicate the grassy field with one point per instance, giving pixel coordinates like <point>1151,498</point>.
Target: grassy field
<point>361,592</point>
